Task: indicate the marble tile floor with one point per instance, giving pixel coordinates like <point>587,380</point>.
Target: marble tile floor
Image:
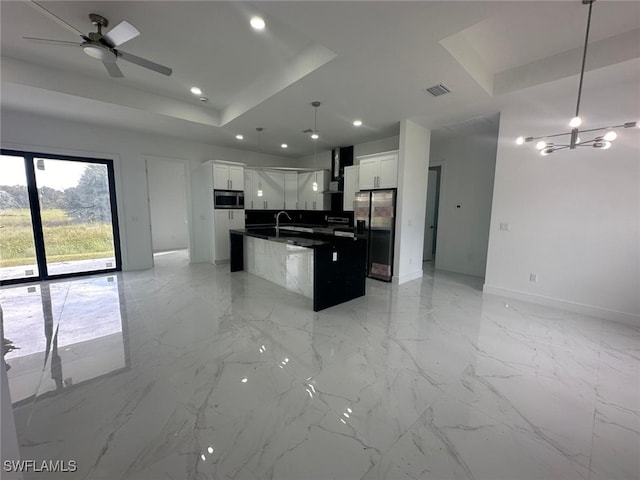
<point>191,372</point>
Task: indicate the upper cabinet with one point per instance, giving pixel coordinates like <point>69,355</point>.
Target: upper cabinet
<point>291,190</point>
<point>264,189</point>
<point>379,171</point>
<point>310,199</point>
<point>228,176</point>
<point>272,183</point>
<point>278,189</point>
<point>351,182</point>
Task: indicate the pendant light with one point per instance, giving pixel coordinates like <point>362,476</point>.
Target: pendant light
<point>600,141</point>
<point>259,192</point>
<point>314,137</point>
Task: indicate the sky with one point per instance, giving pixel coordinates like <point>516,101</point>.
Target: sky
<point>57,174</point>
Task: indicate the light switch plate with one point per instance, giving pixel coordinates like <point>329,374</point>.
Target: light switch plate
<point>505,227</point>
<point>335,256</point>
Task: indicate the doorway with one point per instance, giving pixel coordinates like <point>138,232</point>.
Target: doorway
<point>431,215</point>
<point>167,189</point>
<point>58,217</point>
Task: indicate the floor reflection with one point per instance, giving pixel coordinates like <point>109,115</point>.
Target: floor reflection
<point>63,334</point>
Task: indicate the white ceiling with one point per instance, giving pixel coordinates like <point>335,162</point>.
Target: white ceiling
<point>367,60</point>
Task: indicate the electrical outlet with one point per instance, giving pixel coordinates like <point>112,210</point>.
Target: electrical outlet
<point>533,277</point>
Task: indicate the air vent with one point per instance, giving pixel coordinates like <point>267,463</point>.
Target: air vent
<point>438,90</point>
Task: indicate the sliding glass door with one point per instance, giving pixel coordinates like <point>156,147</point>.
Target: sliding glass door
<point>17,245</point>
<point>68,213</point>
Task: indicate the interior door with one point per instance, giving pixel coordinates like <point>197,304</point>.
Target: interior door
<point>430,224</point>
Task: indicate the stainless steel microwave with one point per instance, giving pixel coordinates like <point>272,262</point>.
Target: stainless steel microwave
<point>228,199</point>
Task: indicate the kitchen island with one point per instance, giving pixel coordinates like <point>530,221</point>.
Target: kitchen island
<point>328,269</point>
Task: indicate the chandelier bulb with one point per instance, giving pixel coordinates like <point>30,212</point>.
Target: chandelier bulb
<point>610,136</point>
<point>520,140</point>
<point>575,122</point>
<point>606,145</point>
<point>541,144</point>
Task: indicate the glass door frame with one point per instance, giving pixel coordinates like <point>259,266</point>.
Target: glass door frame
<point>36,217</point>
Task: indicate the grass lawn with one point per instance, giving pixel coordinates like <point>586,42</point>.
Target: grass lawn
<point>64,239</point>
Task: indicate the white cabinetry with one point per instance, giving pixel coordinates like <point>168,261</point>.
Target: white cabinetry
<point>273,189</point>
<point>249,190</point>
<point>223,221</point>
<point>291,190</point>
<point>379,171</point>
<point>351,186</point>
<point>227,176</point>
<point>308,199</point>
<point>264,190</point>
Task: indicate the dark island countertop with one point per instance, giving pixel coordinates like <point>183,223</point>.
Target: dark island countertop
<point>300,239</point>
<point>339,263</point>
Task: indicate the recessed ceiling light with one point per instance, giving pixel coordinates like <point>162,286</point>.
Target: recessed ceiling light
<point>239,137</point>
<point>315,136</point>
<point>357,123</point>
<point>284,145</point>
<point>196,91</point>
<point>257,23</point>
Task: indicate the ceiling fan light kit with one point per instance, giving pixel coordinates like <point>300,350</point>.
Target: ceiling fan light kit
<point>99,46</point>
<point>601,141</point>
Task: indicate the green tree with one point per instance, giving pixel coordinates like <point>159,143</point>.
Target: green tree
<point>89,200</point>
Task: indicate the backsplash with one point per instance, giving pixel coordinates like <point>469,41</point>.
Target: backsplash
<point>299,217</point>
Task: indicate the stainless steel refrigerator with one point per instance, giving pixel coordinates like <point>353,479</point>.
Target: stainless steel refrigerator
<point>374,214</point>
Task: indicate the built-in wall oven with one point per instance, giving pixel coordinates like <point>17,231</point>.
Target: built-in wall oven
<point>229,199</point>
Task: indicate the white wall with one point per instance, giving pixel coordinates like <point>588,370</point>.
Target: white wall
<point>128,149</point>
<point>167,204</point>
<point>467,155</point>
<point>575,214</point>
<point>413,165</point>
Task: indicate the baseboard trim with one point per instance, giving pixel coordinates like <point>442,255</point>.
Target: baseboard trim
<point>604,313</point>
<point>408,277</point>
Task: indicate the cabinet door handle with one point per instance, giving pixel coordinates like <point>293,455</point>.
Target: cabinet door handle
<point>252,204</point>
<point>305,205</point>
<point>314,204</point>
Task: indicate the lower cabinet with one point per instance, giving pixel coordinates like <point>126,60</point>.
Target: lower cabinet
<point>223,221</point>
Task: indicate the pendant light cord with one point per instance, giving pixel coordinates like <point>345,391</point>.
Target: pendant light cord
<point>584,58</point>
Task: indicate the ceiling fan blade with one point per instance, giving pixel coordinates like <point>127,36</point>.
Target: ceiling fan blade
<point>56,19</point>
<point>62,43</point>
<point>123,32</point>
<point>113,69</point>
<point>143,62</point>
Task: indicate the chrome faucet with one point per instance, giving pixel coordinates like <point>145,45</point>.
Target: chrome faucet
<point>278,220</point>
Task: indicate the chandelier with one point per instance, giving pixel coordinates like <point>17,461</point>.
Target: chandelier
<point>548,144</point>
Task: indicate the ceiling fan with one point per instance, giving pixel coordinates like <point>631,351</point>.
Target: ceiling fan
<point>101,46</point>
